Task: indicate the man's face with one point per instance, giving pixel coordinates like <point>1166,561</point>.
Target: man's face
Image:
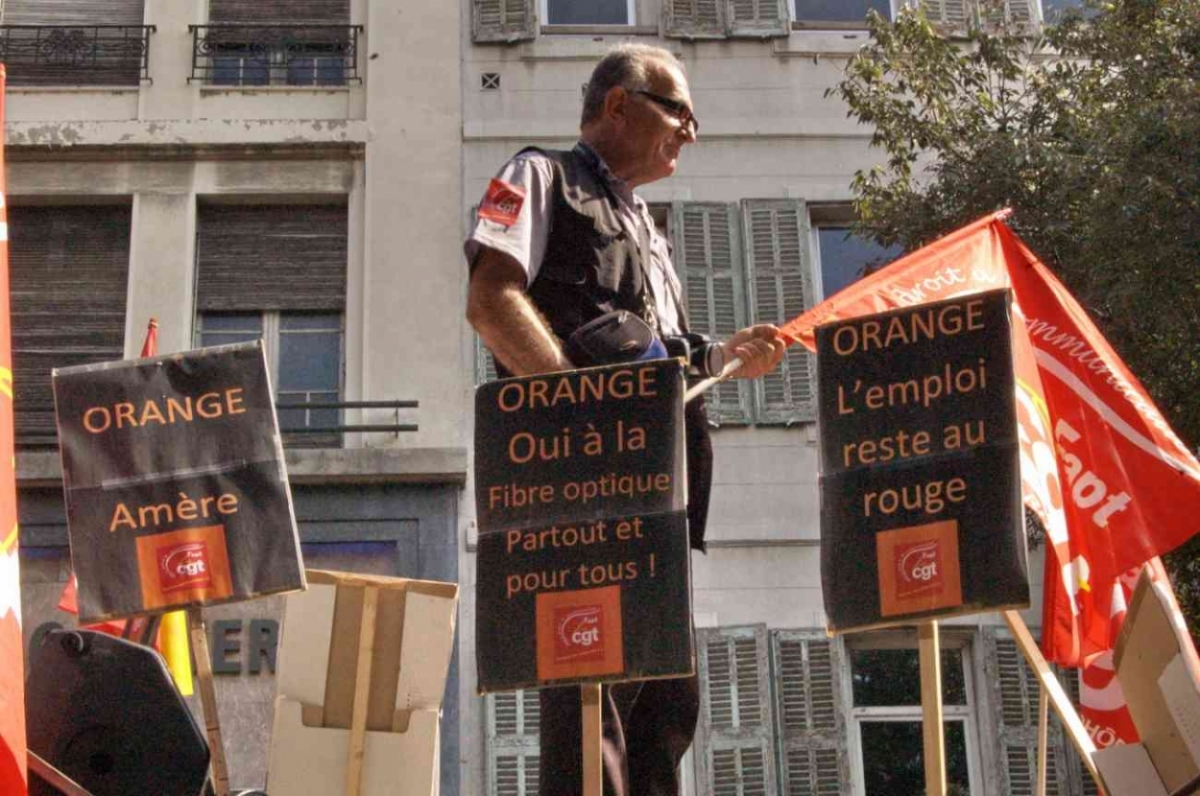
<point>654,133</point>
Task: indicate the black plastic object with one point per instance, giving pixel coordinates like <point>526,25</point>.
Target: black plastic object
<point>104,712</point>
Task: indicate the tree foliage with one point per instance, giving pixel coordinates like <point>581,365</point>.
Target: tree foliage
<point>1090,130</point>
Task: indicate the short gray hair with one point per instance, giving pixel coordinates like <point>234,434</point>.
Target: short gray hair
<point>625,66</point>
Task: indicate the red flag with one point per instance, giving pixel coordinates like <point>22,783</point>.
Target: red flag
<point>1099,464</point>
<point>13,771</point>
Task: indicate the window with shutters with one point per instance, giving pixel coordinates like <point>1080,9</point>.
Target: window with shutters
<point>74,42</point>
<point>735,742</point>
<point>810,735</point>
<point>720,19</point>
<point>885,716</point>
<point>588,12</point>
<point>278,272</point>
<point>842,257</point>
<point>838,13</point>
<point>69,277</point>
<point>1014,692</point>
<point>276,42</point>
<point>512,743</point>
<point>503,21</point>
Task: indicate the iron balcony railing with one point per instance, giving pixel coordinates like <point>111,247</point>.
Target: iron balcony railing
<point>275,55</point>
<point>322,417</point>
<point>304,423</point>
<point>75,55</point>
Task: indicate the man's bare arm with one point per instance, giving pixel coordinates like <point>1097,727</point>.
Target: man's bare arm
<point>506,320</point>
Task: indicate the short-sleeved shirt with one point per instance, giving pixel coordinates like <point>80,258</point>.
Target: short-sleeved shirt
<point>525,239</point>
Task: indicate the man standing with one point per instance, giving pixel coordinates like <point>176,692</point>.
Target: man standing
<point>560,240</point>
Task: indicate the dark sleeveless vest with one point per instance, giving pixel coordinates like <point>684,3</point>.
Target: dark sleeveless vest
<point>593,265</point>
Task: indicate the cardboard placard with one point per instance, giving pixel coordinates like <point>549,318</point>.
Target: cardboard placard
<point>320,684</point>
<point>583,558</point>
<point>176,490</point>
<point>1158,668</point>
<point>920,483</point>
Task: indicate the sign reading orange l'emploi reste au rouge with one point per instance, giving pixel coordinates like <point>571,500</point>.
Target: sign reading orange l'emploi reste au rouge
<point>175,483</point>
<point>920,482</point>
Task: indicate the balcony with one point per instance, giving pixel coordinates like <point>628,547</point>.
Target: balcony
<point>275,55</point>
<point>76,55</point>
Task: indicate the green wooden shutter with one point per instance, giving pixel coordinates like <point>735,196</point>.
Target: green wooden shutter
<point>69,271</point>
<point>512,743</point>
<point>694,19</point>
<point>779,270</point>
<point>812,736</point>
<point>271,257</point>
<point>503,21</point>
<point>485,364</point>
<point>1013,689</point>
<point>707,254</point>
<point>734,745</point>
<point>950,13</point>
<point>1022,12</point>
<point>758,18</point>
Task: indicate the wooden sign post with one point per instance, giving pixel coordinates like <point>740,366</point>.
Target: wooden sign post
<point>593,740</point>
<point>208,699</point>
<point>931,708</point>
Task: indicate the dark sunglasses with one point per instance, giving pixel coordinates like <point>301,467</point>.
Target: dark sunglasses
<point>676,108</point>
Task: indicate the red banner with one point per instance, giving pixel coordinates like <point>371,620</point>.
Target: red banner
<point>12,662</point>
<point>1111,482</point>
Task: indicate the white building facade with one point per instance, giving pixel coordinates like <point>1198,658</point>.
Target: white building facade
<point>304,171</point>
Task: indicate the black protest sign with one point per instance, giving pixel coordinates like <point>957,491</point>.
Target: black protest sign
<point>175,484</point>
<point>583,558</point>
<point>920,477</point>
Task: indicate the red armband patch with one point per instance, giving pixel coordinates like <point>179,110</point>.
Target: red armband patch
<point>502,202</point>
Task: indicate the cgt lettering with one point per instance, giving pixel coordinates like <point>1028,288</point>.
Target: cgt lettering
<point>1087,489</point>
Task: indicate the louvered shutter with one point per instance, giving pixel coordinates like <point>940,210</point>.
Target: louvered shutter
<point>503,21</point>
<point>949,13</point>
<point>1021,12</point>
<point>69,272</point>
<point>512,743</point>
<point>707,255</point>
<point>734,744</point>
<point>1014,692</point>
<point>485,364</point>
<point>758,18</point>
<point>694,19</point>
<point>779,272</point>
<point>270,257</point>
<point>279,12</point>
<point>73,12</point>
<point>808,667</point>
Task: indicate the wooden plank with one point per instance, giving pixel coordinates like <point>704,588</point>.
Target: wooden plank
<point>931,709</point>
<point>362,692</point>
<point>55,778</point>
<point>208,699</point>
<point>1043,741</point>
<point>1055,693</point>
<point>593,740</point>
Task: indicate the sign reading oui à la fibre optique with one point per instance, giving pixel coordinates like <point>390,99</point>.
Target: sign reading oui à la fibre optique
<point>583,567</point>
<point>175,484</point>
